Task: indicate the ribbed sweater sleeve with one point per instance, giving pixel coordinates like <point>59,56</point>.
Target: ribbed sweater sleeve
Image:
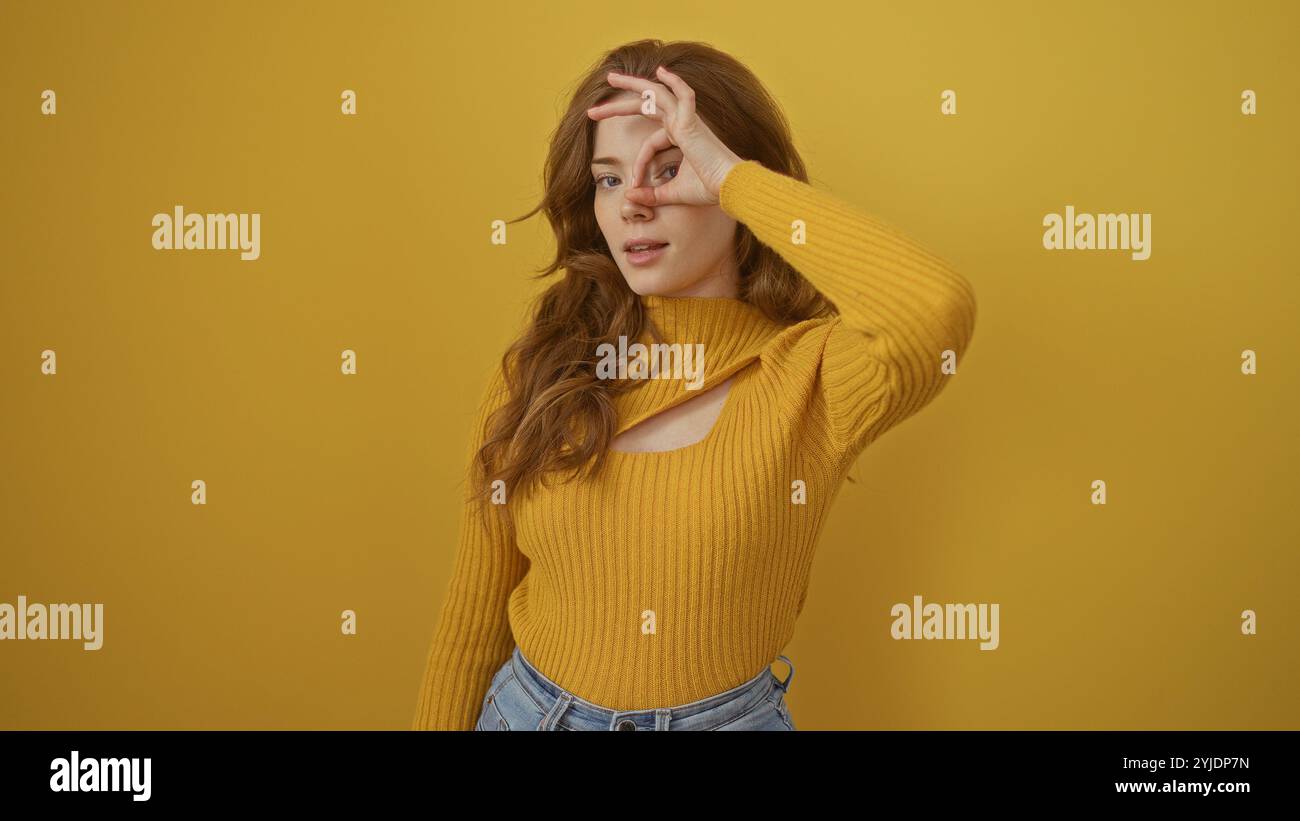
<point>900,307</point>
<point>473,637</point>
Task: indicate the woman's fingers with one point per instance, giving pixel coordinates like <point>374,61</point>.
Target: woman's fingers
<point>673,105</point>
<point>655,143</point>
<point>637,84</point>
<point>685,95</point>
<point>660,99</point>
<point>615,108</point>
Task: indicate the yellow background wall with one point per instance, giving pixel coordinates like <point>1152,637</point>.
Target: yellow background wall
<point>329,492</point>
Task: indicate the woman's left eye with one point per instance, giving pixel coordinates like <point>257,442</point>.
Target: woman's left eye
<point>674,169</point>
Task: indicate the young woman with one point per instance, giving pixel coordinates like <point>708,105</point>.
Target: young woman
<point>638,546</point>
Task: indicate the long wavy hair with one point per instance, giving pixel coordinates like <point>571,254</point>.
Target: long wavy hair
<point>559,417</point>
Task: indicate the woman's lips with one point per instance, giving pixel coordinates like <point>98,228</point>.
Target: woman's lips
<point>647,257</point>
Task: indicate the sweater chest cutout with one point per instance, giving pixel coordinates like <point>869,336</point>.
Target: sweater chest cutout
<point>745,496</point>
<point>680,426</point>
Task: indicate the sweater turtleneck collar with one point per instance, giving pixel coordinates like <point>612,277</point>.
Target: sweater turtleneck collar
<point>732,331</point>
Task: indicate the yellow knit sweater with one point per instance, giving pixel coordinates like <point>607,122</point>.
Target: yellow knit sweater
<point>673,576</point>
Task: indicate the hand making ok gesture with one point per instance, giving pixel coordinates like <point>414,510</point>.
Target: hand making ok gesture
<point>706,160</point>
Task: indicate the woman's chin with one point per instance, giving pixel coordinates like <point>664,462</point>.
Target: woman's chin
<point>646,283</point>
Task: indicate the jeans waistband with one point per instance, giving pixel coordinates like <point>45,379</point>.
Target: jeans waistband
<point>549,694</point>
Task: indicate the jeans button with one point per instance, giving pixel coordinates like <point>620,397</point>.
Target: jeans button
<point>627,724</point>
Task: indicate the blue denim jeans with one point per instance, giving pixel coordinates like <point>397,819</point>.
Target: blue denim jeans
<point>521,698</point>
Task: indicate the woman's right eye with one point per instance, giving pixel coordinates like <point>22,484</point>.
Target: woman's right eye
<point>596,182</point>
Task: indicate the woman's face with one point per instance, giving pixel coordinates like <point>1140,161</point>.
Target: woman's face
<point>698,258</point>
